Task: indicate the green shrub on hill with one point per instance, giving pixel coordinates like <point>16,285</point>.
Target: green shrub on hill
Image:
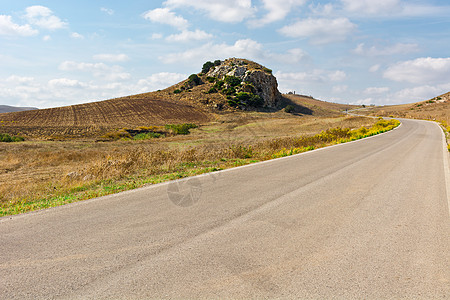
<point>180,128</point>
<point>232,80</point>
<point>207,66</point>
<point>289,109</point>
<point>194,80</point>
<point>6,138</point>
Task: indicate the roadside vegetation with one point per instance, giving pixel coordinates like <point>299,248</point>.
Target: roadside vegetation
<point>151,132</point>
<point>446,128</point>
<point>42,174</point>
<point>6,138</point>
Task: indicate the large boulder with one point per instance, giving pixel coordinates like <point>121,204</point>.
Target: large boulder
<point>260,77</point>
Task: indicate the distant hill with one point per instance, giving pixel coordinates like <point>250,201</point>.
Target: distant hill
<point>437,108</point>
<point>222,87</point>
<point>7,108</point>
<point>309,105</point>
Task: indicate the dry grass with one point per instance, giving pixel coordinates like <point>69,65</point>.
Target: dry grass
<point>47,173</point>
<point>436,109</point>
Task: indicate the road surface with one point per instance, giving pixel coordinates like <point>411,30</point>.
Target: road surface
<point>366,220</point>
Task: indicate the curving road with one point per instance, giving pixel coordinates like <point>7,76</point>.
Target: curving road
<point>368,219</point>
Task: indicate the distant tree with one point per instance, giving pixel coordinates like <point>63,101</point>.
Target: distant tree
<point>207,66</point>
<point>217,62</point>
<point>194,80</point>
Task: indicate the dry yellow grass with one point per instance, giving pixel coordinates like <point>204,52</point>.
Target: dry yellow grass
<point>437,109</point>
<point>37,170</point>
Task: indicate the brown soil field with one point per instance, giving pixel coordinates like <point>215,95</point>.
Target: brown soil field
<point>96,118</point>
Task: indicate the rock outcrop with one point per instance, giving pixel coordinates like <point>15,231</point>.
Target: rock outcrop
<point>252,74</point>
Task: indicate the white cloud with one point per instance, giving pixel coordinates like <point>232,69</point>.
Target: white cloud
<point>419,93</point>
<point>108,11</point>
<point>157,36</point>
<point>187,36</point>
<point>314,76</point>
<point>20,80</point>
<point>43,17</point>
<point>242,48</point>
<point>165,16</point>
<point>371,6</point>
<point>102,70</point>
<point>320,31</point>
<point>399,48</point>
<point>374,68</point>
<point>340,88</point>
<point>28,91</point>
<point>76,35</point>
<point>376,90</point>
<point>65,82</point>
<point>247,48</point>
<point>337,76</point>
<point>425,70</point>
<point>231,11</point>
<point>322,9</point>
<point>159,81</point>
<point>46,38</point>
<point>277,10</point>
<point>294,55</point>
<point>365,101</point>
<point>111,57</point>
<point>9,28</point>
<point>392,8</point>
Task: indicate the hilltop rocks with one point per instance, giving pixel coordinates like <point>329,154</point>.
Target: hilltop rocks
<point>255,78</point>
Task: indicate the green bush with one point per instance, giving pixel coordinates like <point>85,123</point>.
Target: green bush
<point>207,66</point>
<point>194,80</point>
<point>146,136</point>
<point>6,138</point>
<point>230,91</point>
<point>232,80</point>
<point>177,91</point>
<point>217,62</point>
<point>212,90</point>
<point>248,86</point>
<point>241,151</point>
<point>233,102</point>
<point>180,128</point>
<point>249,99</point>
<point>211,79</point>
<point>219,84</point>
<point>289,109</point>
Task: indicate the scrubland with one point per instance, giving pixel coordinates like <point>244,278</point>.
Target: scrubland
<point>39,174</point>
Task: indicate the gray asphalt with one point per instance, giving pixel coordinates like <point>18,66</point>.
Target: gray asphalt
<point>363,220</point>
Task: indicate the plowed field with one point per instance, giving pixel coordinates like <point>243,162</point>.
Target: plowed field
<point>92,119</point>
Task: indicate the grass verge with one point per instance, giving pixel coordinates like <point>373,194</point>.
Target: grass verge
<point>133,169</point>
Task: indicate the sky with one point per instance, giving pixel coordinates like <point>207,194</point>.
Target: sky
<point>55,53</point>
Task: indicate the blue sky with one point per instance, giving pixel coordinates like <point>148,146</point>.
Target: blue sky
<point>55,53</point>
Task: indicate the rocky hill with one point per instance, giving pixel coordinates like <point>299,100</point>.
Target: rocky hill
<point>221,87</point>
<point>253,79</point>
<point>227,85</point>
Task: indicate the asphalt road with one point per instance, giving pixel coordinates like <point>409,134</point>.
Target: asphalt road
<point>366,220</point>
